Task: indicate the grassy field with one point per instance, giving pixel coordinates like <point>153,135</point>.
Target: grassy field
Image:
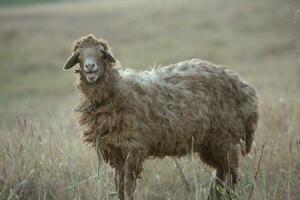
<point>41,152</point>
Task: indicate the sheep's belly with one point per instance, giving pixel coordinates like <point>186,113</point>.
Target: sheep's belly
<point>176,146</point>
<point>162,150</point>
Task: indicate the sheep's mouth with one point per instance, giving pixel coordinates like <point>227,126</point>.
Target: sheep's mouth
<point>91,76</point>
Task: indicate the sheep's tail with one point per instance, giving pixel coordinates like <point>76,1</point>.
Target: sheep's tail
<point>249,141</point>
<point>250,112</point>
<point>250,129</point>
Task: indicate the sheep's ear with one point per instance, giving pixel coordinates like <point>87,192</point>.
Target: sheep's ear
<point>108,55</point>
<point>72,60</point>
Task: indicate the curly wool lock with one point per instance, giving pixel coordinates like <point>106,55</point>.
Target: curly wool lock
<point>168,111</point>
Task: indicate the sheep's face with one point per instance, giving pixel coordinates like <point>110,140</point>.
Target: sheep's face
<point>93,61</point>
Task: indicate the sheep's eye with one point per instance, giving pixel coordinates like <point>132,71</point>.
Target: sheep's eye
<point>100,54</point>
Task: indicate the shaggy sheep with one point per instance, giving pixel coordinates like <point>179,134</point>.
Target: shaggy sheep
<point>167,111</point>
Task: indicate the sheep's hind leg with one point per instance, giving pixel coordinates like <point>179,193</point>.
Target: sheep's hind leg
<point>217,188</point>
<point>225,161</point>
<point>232,180</point>
<point>225,181</point>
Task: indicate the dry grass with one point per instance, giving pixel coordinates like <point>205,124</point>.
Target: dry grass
<point>41,154</point>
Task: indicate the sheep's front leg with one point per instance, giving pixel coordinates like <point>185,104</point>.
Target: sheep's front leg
<point>130,183</point>
<point>125,181</point>
<point>119,182</point>
<point>133,167</point>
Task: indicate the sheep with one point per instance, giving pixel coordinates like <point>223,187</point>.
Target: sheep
<point>166,111</point>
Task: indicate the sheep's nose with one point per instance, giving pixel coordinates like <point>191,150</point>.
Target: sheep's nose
<point>90,65</point>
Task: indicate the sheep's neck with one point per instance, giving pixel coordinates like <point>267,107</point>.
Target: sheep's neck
<point>100,93</point>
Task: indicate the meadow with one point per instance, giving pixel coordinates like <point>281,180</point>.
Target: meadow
<point>42,155</point>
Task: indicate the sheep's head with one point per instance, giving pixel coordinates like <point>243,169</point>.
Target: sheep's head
<point>93,56</point>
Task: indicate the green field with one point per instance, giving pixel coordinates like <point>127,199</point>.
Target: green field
<point>41,152</point>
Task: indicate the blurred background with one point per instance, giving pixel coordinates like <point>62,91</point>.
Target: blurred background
<point>41,154</point>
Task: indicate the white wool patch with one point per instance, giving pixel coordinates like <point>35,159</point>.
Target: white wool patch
<point>148,77</point>
<point>125,73</point>
<point>145,77</point>
<point>190,68</point>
